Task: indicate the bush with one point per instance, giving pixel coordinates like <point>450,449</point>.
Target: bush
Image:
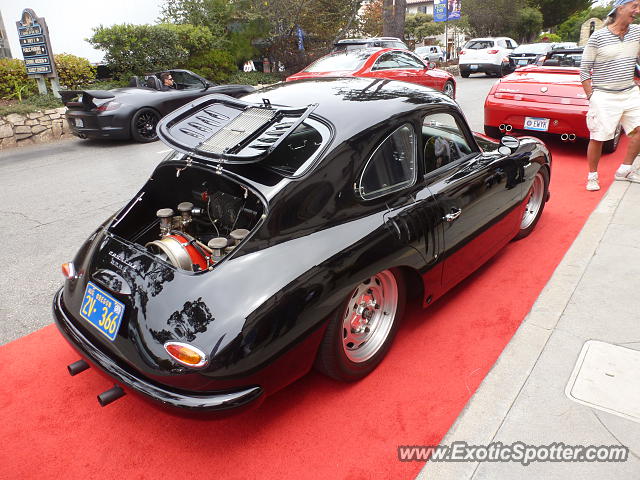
<point>73,71</point>
<point>549,37</point>
<point>254,78</point>
<point>215,65</point>
<point>14,82</point>
<point>31,104</point>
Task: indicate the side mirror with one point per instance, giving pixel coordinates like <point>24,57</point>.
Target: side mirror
<point>508,145</point>
<point>431,65</point>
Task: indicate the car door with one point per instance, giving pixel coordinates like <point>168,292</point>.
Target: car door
<point>189,88</point>
<point>478,194</point>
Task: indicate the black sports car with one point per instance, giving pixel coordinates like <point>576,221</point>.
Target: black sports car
<point>287,230</point>
<point>134,111</point>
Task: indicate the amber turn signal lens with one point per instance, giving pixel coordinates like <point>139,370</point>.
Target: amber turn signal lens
<point>68,270</point>
<point>186,354</point>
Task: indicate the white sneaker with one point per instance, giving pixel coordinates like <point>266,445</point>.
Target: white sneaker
<point>631,176</point>
<point>592,184</point>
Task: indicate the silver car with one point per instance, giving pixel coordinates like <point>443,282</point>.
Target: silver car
<point>431,53</point>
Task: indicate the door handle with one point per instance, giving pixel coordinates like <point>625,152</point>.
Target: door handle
<point>455,213</point>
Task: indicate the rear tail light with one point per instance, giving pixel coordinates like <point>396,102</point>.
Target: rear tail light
<point>105,107</point>
<point>186,354</point>
<point>68,270</point>
<point>492,52</point>
<point>462,52</point>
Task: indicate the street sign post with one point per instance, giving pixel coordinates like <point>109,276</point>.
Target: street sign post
<point>36,50</point>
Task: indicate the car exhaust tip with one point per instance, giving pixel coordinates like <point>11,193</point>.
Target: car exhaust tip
<point>564,137</point>
<point>77,367</point>
<point>501,127</point>
<point>572,137</point>
<point>508,128</point>
<point>110,396</point>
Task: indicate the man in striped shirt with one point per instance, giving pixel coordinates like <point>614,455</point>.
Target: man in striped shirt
<point>607,75</point>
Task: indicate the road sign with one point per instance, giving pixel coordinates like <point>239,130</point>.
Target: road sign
<point>35,44</point>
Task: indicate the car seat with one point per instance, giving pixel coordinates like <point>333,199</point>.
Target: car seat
<point>437,152</point>
<point>153,82</point>
<point>551,63</point>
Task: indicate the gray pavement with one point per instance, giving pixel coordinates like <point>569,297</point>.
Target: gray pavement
<point>592,295</point>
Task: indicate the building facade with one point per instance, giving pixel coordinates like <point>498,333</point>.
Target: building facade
<point>5,51</point>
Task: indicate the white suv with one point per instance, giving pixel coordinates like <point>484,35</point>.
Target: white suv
<point>488,55</point>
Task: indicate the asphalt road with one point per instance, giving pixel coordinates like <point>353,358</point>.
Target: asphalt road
<point>53,196</point>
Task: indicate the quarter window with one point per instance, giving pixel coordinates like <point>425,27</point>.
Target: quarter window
<point>392,166</point>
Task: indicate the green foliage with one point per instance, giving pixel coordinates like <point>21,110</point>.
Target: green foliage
<point>215,65</point>
<point>194,39</point>
<point>371,19</point>
<point>139,49</point>
<point>14,81</point>
<point>549,37</point>
<point>73,71</point>
<point>254,78</point>
<point>419,26</point>
<point>493,17</point>
<point>529,24</point>
<point>31,104</point>
<point>569,30</point>
<point>555,12</point>
<point>107,85</point>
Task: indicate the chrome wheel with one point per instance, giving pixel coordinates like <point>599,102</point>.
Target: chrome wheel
<point>534,203</point>
<point>369,317</point>
<point>449,89</point>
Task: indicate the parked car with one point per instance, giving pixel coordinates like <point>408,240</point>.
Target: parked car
<point>529,53</point>
<point>336,198</point>
<point>392,64</point>
<point>541,100</point>
<point>134,111</point>
<point>488,55</point>
<point>377,42</point>
<point>431,53</point>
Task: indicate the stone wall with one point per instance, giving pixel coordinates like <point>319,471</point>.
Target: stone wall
<point>29,128</point>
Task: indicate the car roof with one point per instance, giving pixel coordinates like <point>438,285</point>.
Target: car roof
<point>368,39</point>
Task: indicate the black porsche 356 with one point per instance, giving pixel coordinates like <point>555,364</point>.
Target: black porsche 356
<point>134,111</point>
<point>287,230</point>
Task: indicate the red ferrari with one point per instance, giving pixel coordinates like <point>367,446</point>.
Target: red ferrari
<point>546,99</point>
<point>387,63</point>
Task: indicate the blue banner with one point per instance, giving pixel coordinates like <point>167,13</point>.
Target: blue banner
<point>453,9</point>
<point>440,10</point>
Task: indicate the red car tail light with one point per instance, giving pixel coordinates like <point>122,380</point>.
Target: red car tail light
<point>462,52</point>
<point>492,52</point>
<point>186,354</point>
<point>105,107</point>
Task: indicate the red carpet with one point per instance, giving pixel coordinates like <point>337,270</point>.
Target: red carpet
<point>52,426</point>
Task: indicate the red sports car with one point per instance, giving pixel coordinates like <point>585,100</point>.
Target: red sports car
<point>387,63</point>
<point>547,99</point>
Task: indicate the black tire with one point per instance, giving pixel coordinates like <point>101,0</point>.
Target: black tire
<point>536,199</point>
<point>611,146</point>
<point>372,312</point>
<point>449,89</point>
<point>143,125</point>
<point>464,73</point>
<point>492,131</point>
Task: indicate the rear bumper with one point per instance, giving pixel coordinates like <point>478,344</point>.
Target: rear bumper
<point>218,402</point>
<point>96,125</point>
<point>562,118</point>
<point>483,67</point>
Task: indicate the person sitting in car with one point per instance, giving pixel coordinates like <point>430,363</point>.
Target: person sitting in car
<point>167,81</point>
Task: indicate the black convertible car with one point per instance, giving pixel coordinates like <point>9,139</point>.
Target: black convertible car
<point>287,230</point>
<point>134,111</point>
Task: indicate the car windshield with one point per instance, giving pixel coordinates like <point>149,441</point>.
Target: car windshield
<point>342,61</point>
<point>479,44</point>
<point>533,48</point>
<point>563,60</point>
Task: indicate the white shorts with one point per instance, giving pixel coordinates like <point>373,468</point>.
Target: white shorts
<point>608,109</point>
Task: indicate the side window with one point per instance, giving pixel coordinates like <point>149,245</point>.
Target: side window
<point>407,60</point>
<point>444,141</point>
<point>185,80</point>
<point>392,166</point>
<point>385,62</point>
<point>502,43</point>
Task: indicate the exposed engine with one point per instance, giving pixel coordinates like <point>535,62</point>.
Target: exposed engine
<point>209,221</point>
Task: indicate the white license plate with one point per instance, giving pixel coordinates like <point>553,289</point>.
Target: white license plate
<point>533,123</point>
<point>79,122</point>
<point>523,62</point>
<point>473,67</point>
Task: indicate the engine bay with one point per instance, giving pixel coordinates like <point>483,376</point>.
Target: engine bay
<point>189,216</point>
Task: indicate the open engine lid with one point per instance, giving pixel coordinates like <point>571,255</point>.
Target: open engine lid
<point>224,129</point>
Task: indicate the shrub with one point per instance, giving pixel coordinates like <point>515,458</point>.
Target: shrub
<point>549,37</point>
<point>73,71</point>
<point>214,65</point>
<point>254,78</point>
<point>14,82</point>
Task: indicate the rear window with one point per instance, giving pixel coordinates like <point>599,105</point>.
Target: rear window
<point>341,61</point>
<point>479,44</point>
<point>563,60</point>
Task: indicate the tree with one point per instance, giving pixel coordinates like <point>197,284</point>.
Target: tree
<point>420,25</point>
<point>490,17</point>
<point>569,30</point>
<point>138,49</point>
<point>371,19</point>
<point>393,17</point>
<point>73,71</point>
<point>555,12</point>
<point>529,24</point>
